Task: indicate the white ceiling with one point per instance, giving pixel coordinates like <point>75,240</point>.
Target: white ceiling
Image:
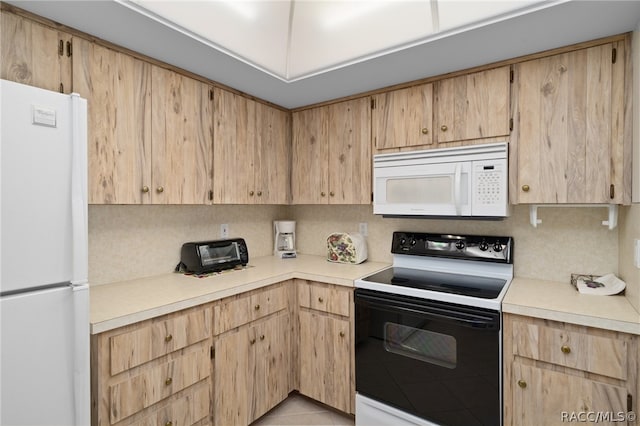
<point>308,51</point>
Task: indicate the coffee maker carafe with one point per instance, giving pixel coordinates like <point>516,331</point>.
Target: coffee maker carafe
<point>284,238</point>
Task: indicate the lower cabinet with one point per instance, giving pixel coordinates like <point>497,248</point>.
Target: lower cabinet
<point>557,373</point>
<point>154,372</point>
<point>324,344</point>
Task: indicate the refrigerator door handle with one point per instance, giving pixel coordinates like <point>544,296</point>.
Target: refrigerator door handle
<point>81,354</point>
<point>79,209</point>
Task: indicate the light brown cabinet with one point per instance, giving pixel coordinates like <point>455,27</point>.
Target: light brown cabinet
<point>252,354</point>
<point>251,151</point>
<point>325,348</point>
<point>467,109</point>
<point>34,54</point>
<point>155,370</point>
<point>118,92</point>
<point>571,141</point>
<point>553,370</point>
<point>331,154</point>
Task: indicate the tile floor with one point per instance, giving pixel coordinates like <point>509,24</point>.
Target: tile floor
<point>299,410</point>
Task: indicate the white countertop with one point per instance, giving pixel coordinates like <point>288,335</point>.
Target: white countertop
<point>562,302</point>
<point>122,303</point>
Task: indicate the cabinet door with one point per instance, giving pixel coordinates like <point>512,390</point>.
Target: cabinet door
<point>118,92</point>
<point>310,151</point>
<point>403,118</point>
<point>349,166</point>
<point>272,155</point>
<point>271,365</point>
<point>182,138</point>
<point>568,148</point>
<point>34,54</point>
<point>325,373</point>
<point>542,396</point>
<point>472,106</point>
<point>233,378</point>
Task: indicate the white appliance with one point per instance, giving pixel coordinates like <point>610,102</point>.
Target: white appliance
<point>469,181</point>
<point>44,294</point>
<point>284,238</point>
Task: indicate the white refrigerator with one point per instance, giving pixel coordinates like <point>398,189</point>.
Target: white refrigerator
<point>44,294</point>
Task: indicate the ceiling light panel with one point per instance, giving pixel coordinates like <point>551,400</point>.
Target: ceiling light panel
<point>253,31</point>
<point>329,34</point>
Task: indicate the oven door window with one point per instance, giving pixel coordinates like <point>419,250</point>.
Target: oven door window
<point>423,345</point>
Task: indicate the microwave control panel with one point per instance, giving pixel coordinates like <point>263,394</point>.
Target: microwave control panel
<point>489,186</point>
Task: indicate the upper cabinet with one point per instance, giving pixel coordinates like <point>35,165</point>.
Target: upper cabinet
<point>251,151</point>
<point>331,152</point>
<point>403,118</point>
<point>182,139</point>
<point>118,90</point>
<point>571,141</point>
<point>472,106</point>
<point>34,54</point>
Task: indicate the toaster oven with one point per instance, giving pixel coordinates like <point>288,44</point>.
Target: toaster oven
<point>212,256</point>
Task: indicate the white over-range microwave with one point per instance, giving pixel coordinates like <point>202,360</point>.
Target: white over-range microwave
<point>468,181</point>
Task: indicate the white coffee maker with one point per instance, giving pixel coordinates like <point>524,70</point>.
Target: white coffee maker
<point>284,238</point>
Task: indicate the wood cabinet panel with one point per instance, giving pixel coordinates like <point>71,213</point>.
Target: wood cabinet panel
<point>143,344</point>
<point>310,153</point>
<point>567,107</point>
<point>472,106</point>
<point>182,135</point>
<point>324,297</point>
<point>403,118</point>
<point>153,385</point>
<point>325,365</point>
<point>118,92</point>
<point>32,54</point>
<point>274,154</point>
<point>239,310</point>
<point>186,410</point>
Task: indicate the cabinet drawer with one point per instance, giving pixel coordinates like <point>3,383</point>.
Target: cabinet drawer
<point>184,411</point>
<point>236,311</point>
<point>557,345</point>
<point>324,297</point>
<point>157,383</point>
<point>158,338</point>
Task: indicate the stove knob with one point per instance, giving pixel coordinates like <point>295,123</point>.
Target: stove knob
<point>403,241</point>
<point>483,246</point>
<point>413,241</point>
<point>497,247</point>
<point>460,245</point>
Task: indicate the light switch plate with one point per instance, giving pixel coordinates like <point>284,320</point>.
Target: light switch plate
<point>362,228</point>
<point>224,230</point>
<point>636,253</point>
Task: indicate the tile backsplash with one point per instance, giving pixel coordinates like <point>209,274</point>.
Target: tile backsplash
<point>127,242</point>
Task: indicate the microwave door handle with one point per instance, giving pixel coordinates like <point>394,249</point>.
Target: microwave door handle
<point>457,188</point>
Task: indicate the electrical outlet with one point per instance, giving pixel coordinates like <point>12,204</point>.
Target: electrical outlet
<point>636,253</point>
<point>224,230</point>
<point>363,229</point>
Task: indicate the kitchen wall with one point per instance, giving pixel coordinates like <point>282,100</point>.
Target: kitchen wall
<point>568,239</point>
<point>629,224</point>
<point>127,242</point>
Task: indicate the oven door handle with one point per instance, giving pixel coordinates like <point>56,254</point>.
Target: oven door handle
<point>463,316</point>
<point>457,188</point>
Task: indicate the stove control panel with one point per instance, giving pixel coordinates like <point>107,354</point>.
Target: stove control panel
<point>471,247</point>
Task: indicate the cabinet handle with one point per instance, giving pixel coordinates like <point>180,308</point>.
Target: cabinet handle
<point>425,131</point>
<point>169,423</point>
<point>322,194</point>
<point>332,193</point>
<point>262,337</point>
<point>257,307</point>
<point>444,128</point>
<point>168,381</point>
<point>168,338</point>
<point>320,299</point>
<point>259,194</point>
<point>522,384</point>
<point>252,341</point>
<point>145,189</point>
<point>565,349</point>
<point>251,193</point>
<point>525,188</point>
<point>160,189</point>
<point>342,334</point>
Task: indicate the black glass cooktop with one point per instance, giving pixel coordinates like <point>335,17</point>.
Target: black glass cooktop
<point>474,286</point>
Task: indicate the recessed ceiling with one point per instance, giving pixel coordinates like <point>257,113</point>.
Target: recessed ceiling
<point>293,40</point>
<point>304,52</point>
